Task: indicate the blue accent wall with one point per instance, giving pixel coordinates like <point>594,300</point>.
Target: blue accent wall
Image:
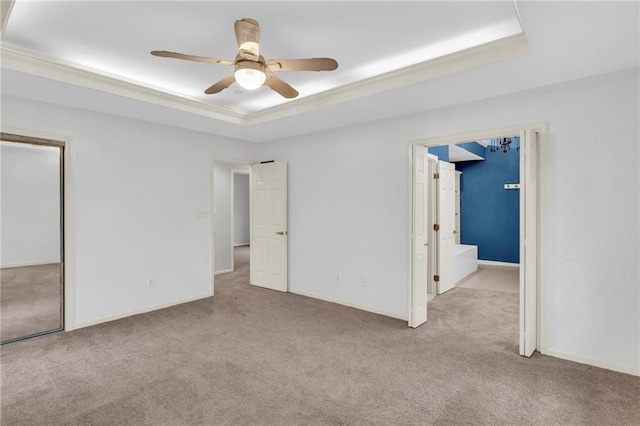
<point>441,151</point>
<point>490,214</point>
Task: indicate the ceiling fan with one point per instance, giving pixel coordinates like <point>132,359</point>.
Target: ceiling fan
<point>251,69</point>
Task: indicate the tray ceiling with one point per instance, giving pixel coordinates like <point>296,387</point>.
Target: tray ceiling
<point>373,43</point>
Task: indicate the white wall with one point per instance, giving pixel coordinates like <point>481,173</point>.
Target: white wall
<point>136,189</point>
<point>348,209</point>
<point>241,213</point>
<point>222,218</point>
<point>30,204</point>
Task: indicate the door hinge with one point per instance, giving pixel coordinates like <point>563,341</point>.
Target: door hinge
<point>436,227</point>
<point>436,175</point>
<point>436,278</point>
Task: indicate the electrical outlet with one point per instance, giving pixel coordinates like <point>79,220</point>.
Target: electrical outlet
<point>363,282</point>
<point>149,283</point>
<point>338,277</point>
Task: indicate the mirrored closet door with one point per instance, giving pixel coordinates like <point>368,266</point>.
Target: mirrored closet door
<point>31,250</point>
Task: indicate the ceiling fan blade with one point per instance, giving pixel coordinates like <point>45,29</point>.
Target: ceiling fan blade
<point>280,86</point>
<point>221,85</point>
<point>166,54</point>
<point>313,64</point>
<point>248,38</point>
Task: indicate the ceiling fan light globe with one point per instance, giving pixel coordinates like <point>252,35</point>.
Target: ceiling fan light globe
<point>250,79</point>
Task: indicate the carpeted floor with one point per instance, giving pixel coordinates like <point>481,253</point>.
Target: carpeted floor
<point>29,300</point>
<point>496,278</point>
<point>255,356</point>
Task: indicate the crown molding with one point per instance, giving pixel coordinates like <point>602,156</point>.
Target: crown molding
<point>30,62</point>
<point>6,6</point>
<point>484,54</point>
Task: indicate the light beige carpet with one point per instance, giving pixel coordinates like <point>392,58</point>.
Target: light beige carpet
<point>496,278</point>
<point>251,356</point>
<point>29,300</point>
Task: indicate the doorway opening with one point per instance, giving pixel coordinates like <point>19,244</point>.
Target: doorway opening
<point>486,212</point>
<point>32,280</point>
<point>475,221</point>
<point>240,215</point>
<point>230,212</point>
<point>249,223</point>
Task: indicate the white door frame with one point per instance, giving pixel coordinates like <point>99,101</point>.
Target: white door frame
<point>212,231</point>
<point>432,285</point>
<point>542,129</point>
<point>235,172</point>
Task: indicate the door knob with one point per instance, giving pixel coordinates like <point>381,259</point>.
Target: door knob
<point>455,232</point>
<point>281,232</point>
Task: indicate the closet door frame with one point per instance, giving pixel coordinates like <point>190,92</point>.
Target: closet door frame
<point>30,138</point>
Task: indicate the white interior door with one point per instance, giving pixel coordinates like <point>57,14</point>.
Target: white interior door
<point>419,236</point>
<point>528,242</point>
<point>268,234</point>
<point>446,225</point>
<point>432,219</point>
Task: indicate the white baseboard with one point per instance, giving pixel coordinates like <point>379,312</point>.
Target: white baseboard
<point>495,263</point>
<point>222,271</point>
<point>634,371</point>
<point>241,244</point>
<point>349,304</point>
<point>20,265</point>
<point>136,312</point>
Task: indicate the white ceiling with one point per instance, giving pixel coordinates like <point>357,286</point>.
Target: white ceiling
<point>457,154</point>
<point>366,39</point>
<point>567,40</point>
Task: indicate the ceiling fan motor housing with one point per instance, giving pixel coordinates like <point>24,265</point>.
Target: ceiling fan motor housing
<point>249,64</point>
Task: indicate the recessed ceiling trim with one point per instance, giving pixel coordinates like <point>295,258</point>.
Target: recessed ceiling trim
<point>30,62</point>
<point>6,6</point>
<point>484,54</point>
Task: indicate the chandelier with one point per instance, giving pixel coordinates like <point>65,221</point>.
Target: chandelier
<point>503,144</point>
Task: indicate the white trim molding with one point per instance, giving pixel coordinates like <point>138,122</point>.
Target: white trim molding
<point>21,265</point>
<point>33,63</point>
<point>484,54</point>
<point>348,304</point>
<point>139,311</point>
<point>634,371</point>
<point>6,6</point>
<point>30,62</point>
